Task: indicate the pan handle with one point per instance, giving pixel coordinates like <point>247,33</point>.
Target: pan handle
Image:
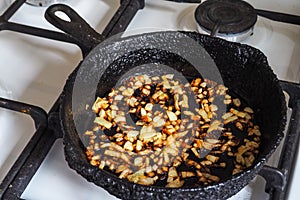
<point>76,27</point>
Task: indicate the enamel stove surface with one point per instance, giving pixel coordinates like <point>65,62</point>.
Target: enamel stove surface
<point>34,70</point>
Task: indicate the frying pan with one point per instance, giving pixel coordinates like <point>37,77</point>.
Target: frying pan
<point>244,70</point>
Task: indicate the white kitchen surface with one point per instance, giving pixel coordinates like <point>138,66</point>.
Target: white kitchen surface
<point>34,70</point>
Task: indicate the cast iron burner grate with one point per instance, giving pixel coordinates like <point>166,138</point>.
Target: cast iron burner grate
<point>47,128</point>
<point>225,16</point>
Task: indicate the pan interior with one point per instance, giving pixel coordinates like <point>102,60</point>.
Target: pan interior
<point>109,61</point>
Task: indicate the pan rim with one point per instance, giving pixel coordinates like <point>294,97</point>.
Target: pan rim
<point>64,114</point>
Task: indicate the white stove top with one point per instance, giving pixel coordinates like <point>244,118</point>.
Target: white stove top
<point>34,70</point>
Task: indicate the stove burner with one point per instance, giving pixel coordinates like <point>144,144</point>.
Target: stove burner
<point>225,16</point>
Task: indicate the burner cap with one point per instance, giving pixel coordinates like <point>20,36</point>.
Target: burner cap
<point>233,16</point>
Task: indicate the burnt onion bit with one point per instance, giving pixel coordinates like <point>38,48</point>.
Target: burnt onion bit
<point>203,154</point>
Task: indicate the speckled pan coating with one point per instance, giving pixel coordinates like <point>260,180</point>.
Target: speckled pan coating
<point>244,69</point>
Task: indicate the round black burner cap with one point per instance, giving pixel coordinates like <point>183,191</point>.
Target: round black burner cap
<point>233,16</point>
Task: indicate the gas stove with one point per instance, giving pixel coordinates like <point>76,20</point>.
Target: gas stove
<point>36,60</point>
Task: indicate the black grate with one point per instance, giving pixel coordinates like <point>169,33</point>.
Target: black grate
<point>26,164</point>
<point>47,129</point>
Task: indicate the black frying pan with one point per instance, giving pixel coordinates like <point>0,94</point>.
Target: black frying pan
<point>244,70</point>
